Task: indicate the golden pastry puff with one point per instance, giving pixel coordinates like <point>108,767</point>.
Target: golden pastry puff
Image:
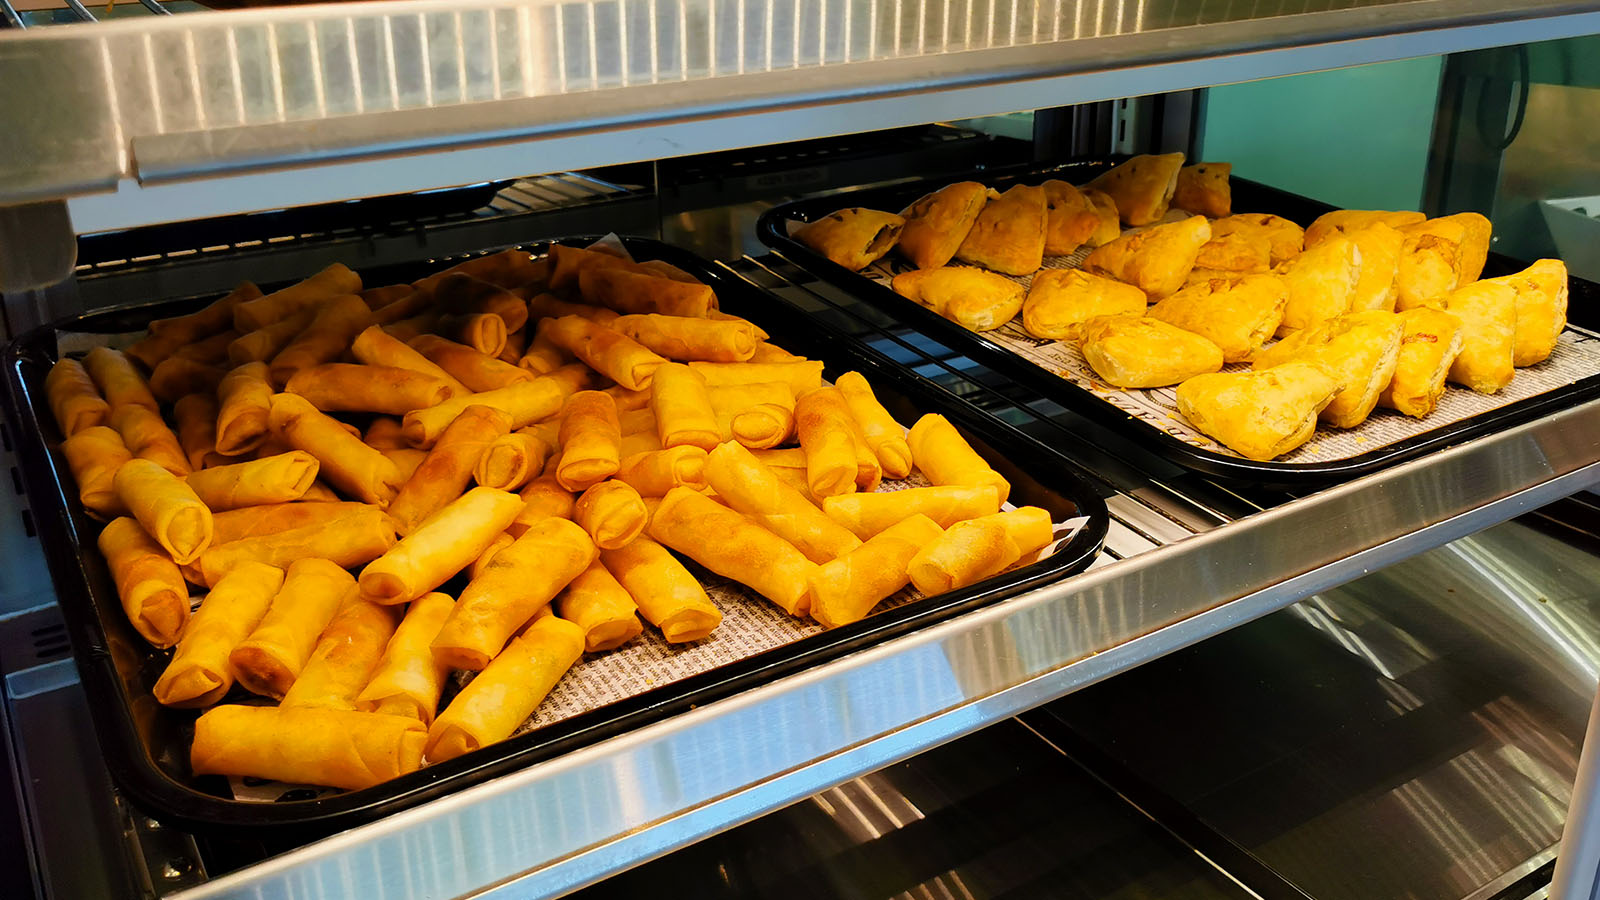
<point>1234,252</point>
<point>1428,269</point>
<point>1377,286</point>
<point>938,223</point>
<point>1429,343</point>
<point>1070,219</point>
<point>1141,352</point>
<point>854,238</point>
<point>1471,230</point>
<point>1008,235</point>
<point>970,297</point>
<point>1488,314</point>
<point>1360,350</point>
<point>1143,186</point>
<point>1284,238</point>
<point>1259,415</point>
<point>1156,260</point>
<point>1322,283</point>
<point>1344,221</point>
<point>1203,188</point>
<point>1105,210</point>
<point>1061,300</point>
<point>1237,315</point>
<point>1541,309</point>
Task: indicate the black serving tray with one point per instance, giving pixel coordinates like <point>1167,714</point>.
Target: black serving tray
<point>145,745</point>
<point>1248,196</point>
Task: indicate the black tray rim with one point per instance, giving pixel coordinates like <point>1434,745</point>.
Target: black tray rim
<point>772,232</point>
<point>60,521</point>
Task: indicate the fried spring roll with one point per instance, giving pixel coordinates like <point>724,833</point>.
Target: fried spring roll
<point>244,409</point>
<point>265,343</point>
<point>611,353</point>
<point>336,280</point>
<point>567,263</point>
<point>379,297</point>
<point>354,535</point>
<point>549,306</point>
<point>509,269</point>
<point>665,592</point>
<point>629,399</point>
<point>596,602</point>
<point>74,400</point>
<point>149,584</point>
<point>199,673</point>
<point>868,514</point>
<point>682,409</point>
<point>460,292</point>
<point>612,512</point>
<point>846,589</point>
<point>447,542</point>
<point>166,507</point>
<point>511,461</point>
<point>526,402</point>
<point>542,356</point>
<point>406,460</point>
<point>516,345</point>
<point>147,437</point>
<point>345,657</point>
<point>733,546</point>
<point>642,292</point>
<point>771,353</point>
<point>330,333</point>
<point>478,371</point>
<point>687,338</point>
<point>883,434</point>
<point>274,479</point>
<point>268,661</point>
<point>590,440</point>
<point>759,415</point>
<point>94,455</point>
<point>501,541</point>
<point>256,521</point>
<point>519,581</point>
<point>507,691</point>
<point>633,421</point>
<point>408,680</point>
<point>484,332</point>
<point>654,472</point>
<point>966,553</point>
<point>377,347</point>
<point>802,376</point>
<point>197,428</point>
<point>119,382</point>
<point>749,487</point>
<point>444,474</point>
<point>346,463</point>
<point>179,376</point>
<point>827,436</point>
<point>337,748</point>
<point>945,457</point>
<point>413,305</point>
<point>344,387</point>
<point>543,498</point>
<point>385,434</point>
<point>168,336</point>
<point>1029,527</point>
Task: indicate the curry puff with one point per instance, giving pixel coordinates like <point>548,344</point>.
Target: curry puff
<point>1008,235</point>
<point>1346,221</point>
<point>1259,415</point>
<point>1070,218</point>
<point>1156,260</point>
<point>1109,221</point>
<point>1322,284</point>
<point>1238,316</point>
<point>1359,350</point>
<point>1060,300</point>
<point>1141,352</point>
<point>1541,309</point>
<point>1284,238</point>
<point>938,222</point>
<point>1471,230</point>
<point>853,238</point>
<point>972,298</point>
<point>1430,340</point>
<point>1377,286</point>
<point>1203,188</point>
<point>1428,268</point>
<point>1142,186</point>
<point>1488,314</point>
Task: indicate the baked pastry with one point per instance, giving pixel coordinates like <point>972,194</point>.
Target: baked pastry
<point>1142,186</point>
<point>1008,235</point>
<point>1238,316</point>
<point>1070,219</point>
<point>1428,269</point>
<point>1105,210</point>
<point>1157,259</point>
<point>1284,238</point>
<point>1488,314</point>
<point>972,298</point>
<point>1380,261</point>
<point>1141,352</point>
<point>1430,339</point>
<point>1358,350</point>
<point>1238,251</point>
<point>1061,300</point>
<point>1471,230</point>
<point>938,223</point>
<point>1541,309</point>
<point>854,238</point>
<point>1344,221</point>
<point>1258,415</point>
<point>1203,188</point>
<point>1322,283</point>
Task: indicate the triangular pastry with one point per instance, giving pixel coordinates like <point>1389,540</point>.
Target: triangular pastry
<point>1238,251</point>
<point>1238,316</point>
<point>938,223</point>
<point>1156,260</point>
<point>1060,300</point>
<point>1469,229</point>
<point>854,238</point>
<point>1203,188</point>
<point>1258,415</point>
<point>1344,221</point>
<point>1143,186</point>
<point>1322,283</point>
<point>1141,352</point>
<point>1429,268</point>
<point>1110,221</point>
<point>1008,235</point>
<point>1069,216</point>
<point>1541,309</point>
<point>1488,314</point>
<point>1380,261</point>
<point>1284,238</point>
<point>1430,339</point>
<point>973,298</point>
<point>1359,350</point>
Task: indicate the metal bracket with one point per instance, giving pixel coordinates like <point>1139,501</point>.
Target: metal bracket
<point>38,251</point>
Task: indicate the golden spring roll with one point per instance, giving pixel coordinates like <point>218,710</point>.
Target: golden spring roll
<point>333,281</point>
<point>345,387</point>
<point>526,402</point>
<point>549,306</point>
<point>330,333</point>
<point>147,437</point>
<point>590,440</point>
<point>238,524</point>
<point>519,581</point>
<point>460,292</point>
<point>94,455</point>
<point>321,493</point>
<point>634,421</point>
<point>408,680</point>
<point>385,434</point>
<point>406,460</point>
<point>516,345</point>
<point>501,541</point>
<point>346,463</point>
<point>478,371</point>
<point>507,691</point>
<point>406,329</point>
<point>199,673</point>
<point>611,353</point>
<point>345,657</point>
<point>356,535</point>
<point>485,332</point>
<point>654,472</point>
<point>883,434</point>
<point>166,507</point>
<point>511,460</point>
<point>168,336</point>
<point>733,546</point>
<point>376,347</point>
<point>178,376</point>
<point>628,399</point>
<point>747,486</point>
<point>641,442</point>
<point>846,589</point>
<point>643,292</point>
<point>966,553</point>
<point>509,269</point>
<point>682,409</point>
<point>244,409</point>
<point>74,400</point>
<point>612,512</point>
<point>771,353</point>
<point>197,427</point>
<point>379,297</point>
<point>867,514</point>
<point>149,584</point>
<point>567,263</point>
<point>823,423</point>
<point>801,376</point>
<point>263,344</point>
<point>268,661</point>
<point>760,333</point>
<point>541,356</point>
<point>412,306</point>
<point>118,381</point>
<point>443,545</point>
<point>1029,527</point>
<point>796,478</point>
<point>945,457</point>
<point>596,602</point>
<point>687,338</point>
<point>337,748</point>
<point>868,473</point>
<point>759,415</point>
<point>213,351</point>
<point>446,471</point>
<point>543,497</point>
<point>666,594</point>
<point>274,479</point>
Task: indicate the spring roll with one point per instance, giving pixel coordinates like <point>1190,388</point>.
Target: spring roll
<point>642,293</point>
<point>197,428</point>
<point>447,542</point>
<point>1029,527</point>
<point>74,400</point>
<point>542,356</point>
<point>771,353</point>
<point>353,535</point>
<point>846,589</point>
<point>654,472</point>
<point>747,486</point>
<point>883,434</point>
<point>166,507</point>
<point>178,376</point>
<point>268,661</point>
<point>346,463</point>
<point>802,376</point>
<point>479,565</point>
<point>596,602</point>
<point>333,747</point>
<point>868,473</point>
<point>612,512</point>
<point>334,281</point>
<point>549,306</point>
<point>168,336</point>
<point>685,338</point>
<point>666,594</point>
<point>461,293</point>
<point>244,408</point>
<point>759,415</point>
<point>444,474</point>
<point>611,353</point>
<point>385,434</point>
<point>484,332</point>
<point>869,514</point>
<point>199,673</point>
<point>379,297</point>
<point>633,421</point>
<point>263,344</point>
<point>345,657</point>
<point>507,691</point>
<point>331,332</point>
<point>682,409</point>
<point>543,498</point>
<point>509,269</point>
<point>406,460</point>
<point>238,524</point>
<point>823,423</point>
<point>408,680</point>
<point>526,402</point>
<point>275,479</point>
<point>147,437</point>
<point>149,584</point>
<point>966,553</point>
<point>945,457</point>
<point>511,460</point>
<point>516,345</point>
<point>590,440</point>
<point>94,455</point>
<point>344,387</point>
<point>628,399</point>
<point>519,581</point>
<point>478,371</point>
<point>733,546</point>
<point>376,347</point>
<point>118,381</point>
<point>568,263</point>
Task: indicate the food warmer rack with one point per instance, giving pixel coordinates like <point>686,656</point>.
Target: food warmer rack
<point>172,118</point>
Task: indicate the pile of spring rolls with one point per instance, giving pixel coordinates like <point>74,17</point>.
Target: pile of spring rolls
<point>563,432</point>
